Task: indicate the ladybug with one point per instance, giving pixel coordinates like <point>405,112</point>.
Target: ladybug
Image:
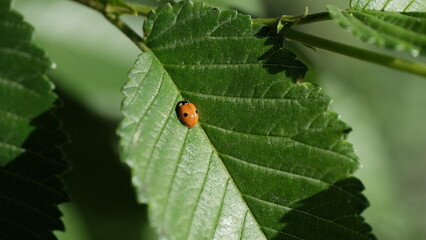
<point>187,113</point>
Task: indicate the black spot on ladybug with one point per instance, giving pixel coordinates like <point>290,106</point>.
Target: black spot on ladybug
<point>185,114</point>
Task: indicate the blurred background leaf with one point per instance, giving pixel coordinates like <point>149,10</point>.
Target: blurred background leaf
<point>103,202</point>
<point>384,107</point>
<point>30,136</point>
<point>391,30</point>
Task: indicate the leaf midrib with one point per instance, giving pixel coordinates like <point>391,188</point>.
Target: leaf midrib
<point>273,99</point>
<point>217,153</point>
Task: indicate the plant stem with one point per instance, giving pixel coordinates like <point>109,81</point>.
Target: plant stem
<point>128,8</point>
<point>113,15</point>
<point>131,8</point>
<point>124,28</point>
<point>316,17</point>
<point>311,18</point>
<point>271,22</point>
<point>385,60</point>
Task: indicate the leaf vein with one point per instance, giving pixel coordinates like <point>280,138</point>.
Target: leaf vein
<point>292,174</point>
<point>400,28</point>
<point>245,98</point>
<point>20,86</point>
<point>220,209</point>
<point>408,5</point>
<point>156,142</point>
<point>287,208</point>
<point>243,225</point>
<point>137,93</point>
<point>282,137</point>
<point>287,234</point>
<point>169,188</point>
<point>199,197</point>
<point>226,65</point>
<point>139,123</point>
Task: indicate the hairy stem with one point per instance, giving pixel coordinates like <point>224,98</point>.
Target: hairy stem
<point>113,12</point>
<point>131,8</point>
<point>127,8</point>
<point>385,60</point>
<point>124,28</point>
<point>316,17</point>
<point>311,18</point>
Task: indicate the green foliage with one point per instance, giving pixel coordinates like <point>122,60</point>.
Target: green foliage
<point>29,136</point>
<point>389,5</point>
<point>267,160</point>
<point>392,30</point>
<point>393,24</point>
<point>21,82</point>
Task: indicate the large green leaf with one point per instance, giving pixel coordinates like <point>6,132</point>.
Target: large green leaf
<point>267,160</point>
<point>390,5</point>
<point>392,30</point>
<point>29,158</point>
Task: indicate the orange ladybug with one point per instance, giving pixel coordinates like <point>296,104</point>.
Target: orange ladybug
<point>187,113</point>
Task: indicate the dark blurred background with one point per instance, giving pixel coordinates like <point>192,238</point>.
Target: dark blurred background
<point>386,109</point>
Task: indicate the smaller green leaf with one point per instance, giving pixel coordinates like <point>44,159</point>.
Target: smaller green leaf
<point>390,5</point>
<point>391,30</point>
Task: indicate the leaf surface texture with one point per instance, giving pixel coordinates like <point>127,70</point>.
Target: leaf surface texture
<point>389,5</point>
<point>267,159</point>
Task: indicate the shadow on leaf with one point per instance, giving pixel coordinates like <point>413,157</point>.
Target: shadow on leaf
<point>278,59</point>
<point>30,187</point>
<point>330,214</point>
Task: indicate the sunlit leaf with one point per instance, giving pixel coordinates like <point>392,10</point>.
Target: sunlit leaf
<point>390,5</point>
<point>267,160</point>
<point>397,31</point>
